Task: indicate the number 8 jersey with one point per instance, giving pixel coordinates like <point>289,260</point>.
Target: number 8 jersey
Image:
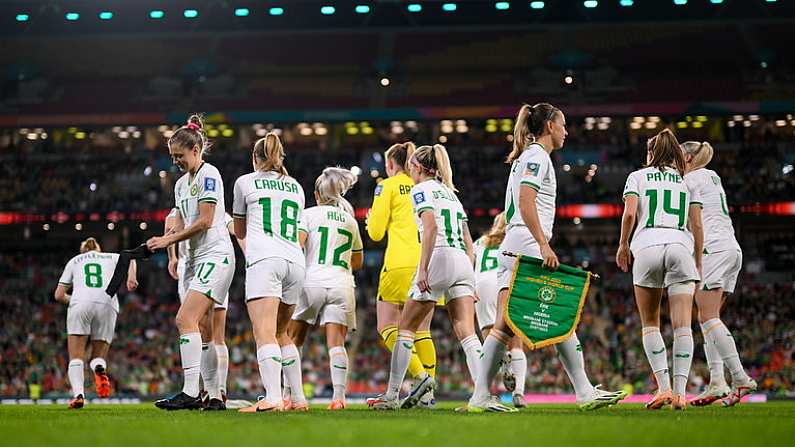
<point>88,274</point>
<point>332,237</point>
<point>663,202</point>
<point>272,205</point>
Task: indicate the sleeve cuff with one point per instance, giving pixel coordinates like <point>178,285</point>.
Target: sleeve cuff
<point>64,283</point>
<point>427,208</point>
<point>212,200</point>
<point>631,193</point>
<point>697,203</point>
<point>239,216</point>
<point>530,184</point>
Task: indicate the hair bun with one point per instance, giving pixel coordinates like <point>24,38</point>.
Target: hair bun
<point>195,122</point>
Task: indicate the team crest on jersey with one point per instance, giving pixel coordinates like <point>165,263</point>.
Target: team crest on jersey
<point>419,198</point>
<point>378,190</point>
<point>531,169</point>
<point>194,189</point>
<point>209,184</point>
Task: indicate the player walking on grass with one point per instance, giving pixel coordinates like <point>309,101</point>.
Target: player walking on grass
<point>333,245</point>
<point>515,362</point>
<point>722,261</point>
<point>210,261</point>
<point>444,270</point>
<point>392,215</point>
<point>268,205</point>
<point>530,214</point>
<point>666,256</point>
<point>91,315</point>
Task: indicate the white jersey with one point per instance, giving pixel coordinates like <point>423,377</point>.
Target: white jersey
<point>534,169</point>
<point>332,237</point>
<point>272,205</point>
<point>663,203</point>
<point>182,246</point>
<point>205,186</point>
<point>718,228</point>
<point>485,260</point>
<point>89,274</point>
<point>447,210</point>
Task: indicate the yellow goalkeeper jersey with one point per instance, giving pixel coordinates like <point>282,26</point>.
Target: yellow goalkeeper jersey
<point>392,213</point>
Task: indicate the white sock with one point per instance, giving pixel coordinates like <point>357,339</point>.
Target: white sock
<point>401,355</point>
<point>472,350</point>
<point>76,377</point>
<point>338,363</point>
<point>97,361</point>
<point>269,358</point>
<point>683,358</point>
<point>519,369</point>
<point>209,370</point>
<point>222,353</point>
<point>718,336</point>
<point>291,364</point>
<point>286,395</point>
<point>654,346</point>
<point>714,362</point>
<point>570,355</point>
<point>190,350</point>
<point>493,349</point>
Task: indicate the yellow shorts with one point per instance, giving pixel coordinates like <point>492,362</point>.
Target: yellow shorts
<point>394,285</point>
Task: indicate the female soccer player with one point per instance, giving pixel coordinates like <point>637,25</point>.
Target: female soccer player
<point>515,363</point>
<point>530,213</point>
<point>392,214</point>
<point>91,314</point>
<point>333,245</point>
<point>210,263</point>
<point>444,270</point>
<point>722,261</point>
<point>267,208</point>
<point>665,256</point>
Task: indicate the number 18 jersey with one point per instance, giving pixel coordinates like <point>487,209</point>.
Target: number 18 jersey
<point>89,274</point>
<point>663,202</point>
<point>272,205</point>
<point>332,238</point>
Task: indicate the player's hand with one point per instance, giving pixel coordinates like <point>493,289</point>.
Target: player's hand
<point>157,242</point>
<point>172,268</point>
<point>422,281</point>
<point>550,258</point>
<point>623,258</point>
<point>132,284</point>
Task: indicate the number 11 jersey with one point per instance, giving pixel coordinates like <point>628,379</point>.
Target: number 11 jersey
<point>272,205</point>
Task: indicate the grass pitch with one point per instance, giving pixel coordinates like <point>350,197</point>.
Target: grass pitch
<point>771,424</point>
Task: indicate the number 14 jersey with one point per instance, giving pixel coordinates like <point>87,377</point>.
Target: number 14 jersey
<point>332,237</point>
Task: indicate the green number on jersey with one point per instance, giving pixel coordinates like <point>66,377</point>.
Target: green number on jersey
<point>453,230</point>
<point>204,274</point>
<point>288,228</point>
<point>93,274</point>
<point>339,251</point>
<point>488,262</point>
<point>723,207</point>
<point>668,208</point>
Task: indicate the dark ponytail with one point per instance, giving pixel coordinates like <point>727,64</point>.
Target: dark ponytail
<point>530,124</point>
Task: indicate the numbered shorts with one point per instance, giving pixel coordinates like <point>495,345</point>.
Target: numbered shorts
<point>276,278</point>
<point>394,284</point>
<point>212,276</point>
<point>97,320</point>
<point>486,306</point>
<point>331,305</point>
<point>449,274</point>
<point>721,270</point>
<point>182,287</point>
<point>660,266</point>
<point>518,241</point>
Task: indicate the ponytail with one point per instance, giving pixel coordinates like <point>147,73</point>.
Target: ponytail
<point>401,153</point>
<point>436,162</point>
<point>701,152</point>
<point>191,135</point>
<point>269,154</point>
<point>332,185</point>
<point>496,233</point>
<point>665,151</point>
<point>90,244</point>
<point>530,124</point>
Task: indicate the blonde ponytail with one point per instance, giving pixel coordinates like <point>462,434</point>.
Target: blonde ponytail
<point>90,244</point>
<point>269,154</point>
<point>401,153</point>
<point>701,152</point>
<point>332,185</point>
<point>444,172</point>
<point>496,233</point>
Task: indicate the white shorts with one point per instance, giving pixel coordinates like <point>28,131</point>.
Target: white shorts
<point>486,306</point>
<point>450,275</point>
<point>97,320</point>
<point>332,305</point>
<point>211,275</point>
<point>721,270</point>
<point>660,266</point>
<point>182,287</point>
<point>275,277</point>
<point>519,242</point>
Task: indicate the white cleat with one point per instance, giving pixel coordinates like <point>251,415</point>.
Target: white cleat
<point>428,401</point>
<point>424,386</point>
<point>739,390</point>
<point>714,391</point>
<point>601,399</point>
<point>381,403</point>
<point>489,405</point>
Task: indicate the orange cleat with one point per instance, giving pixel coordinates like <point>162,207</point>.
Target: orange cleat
<point>102,382</point>
<point>77,402</point>
<point>300,406</point>
<point>287,404</point>
<point>337,405</point>
<point>679,402</point>
<point>263,406</point>
<point>659,400</point>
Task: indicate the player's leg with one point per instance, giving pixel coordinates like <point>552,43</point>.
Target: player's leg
<point>338,363</point>
<point>209,358</point>
<point>393,290</point>
<point>221,351</point>
<point>518,367</point>
<point>462,311</point>
<point>103,326</point>
<point>648,301</point>
<point>291,358</point>
<point>423,345</point>
<point>680,297</point>
<point>263,314</point>
<point>76,346</point>
<point>494,347</point>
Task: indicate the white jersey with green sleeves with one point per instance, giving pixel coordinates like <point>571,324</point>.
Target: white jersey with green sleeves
<point>534,169</point>
<point>89,274</point>
<point>485,260</point>
<point>332,237</point>
<point>432,195</point>
<point>206,186</point>
<point>663,203</point>
<point>272,205</point>
<point>718,228</point>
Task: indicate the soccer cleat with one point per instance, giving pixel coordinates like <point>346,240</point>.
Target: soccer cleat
<point>372,400</point>
<point>659,400</point>
<point>77,402</point>
<point>223,396</point>
<point>300,406</point>
<point>262,406</point>
<point>679,402</point>
<point>738,392</point>
<point>287,404</point>
<point>180,401</point>
<point>337,405</point>
<point>508,378</point>
<point>214,405</point>
<point>518,401</point>
<point>384,404</point>
<point>424,386</point>
<point>601,399</point>
<point>713,392</point>
<point>101,381</point>
<point>428,401</point>
<point>489,405</point>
